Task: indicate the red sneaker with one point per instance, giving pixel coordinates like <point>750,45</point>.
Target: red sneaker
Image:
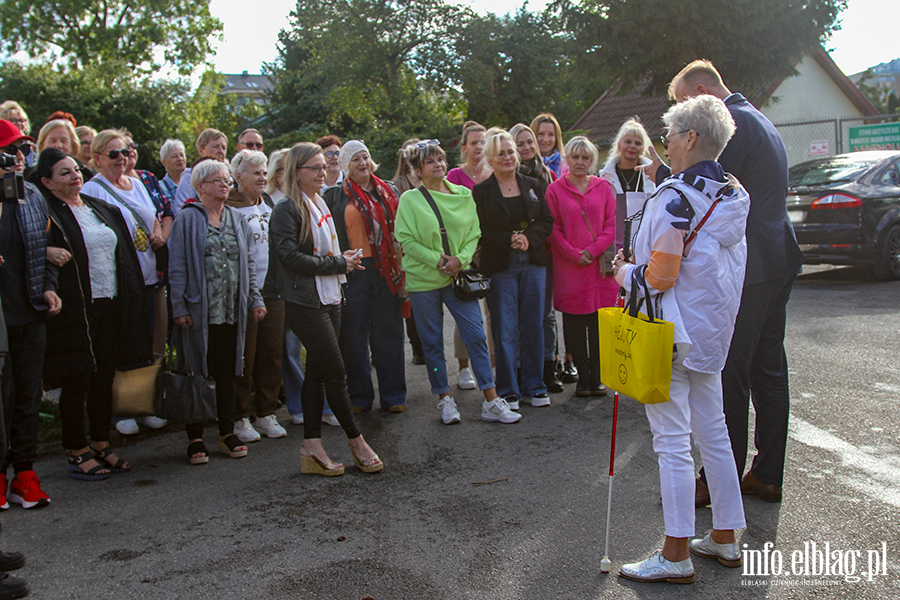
<point>3,500</point>
<point>25,489</point>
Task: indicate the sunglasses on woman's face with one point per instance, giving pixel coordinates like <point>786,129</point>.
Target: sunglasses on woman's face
<point>114,154</point>
<point>25,149</point>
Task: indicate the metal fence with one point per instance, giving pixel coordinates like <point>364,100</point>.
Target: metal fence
<point>805,140</point>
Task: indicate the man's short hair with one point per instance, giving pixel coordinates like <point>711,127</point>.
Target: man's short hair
<point>696,72</point>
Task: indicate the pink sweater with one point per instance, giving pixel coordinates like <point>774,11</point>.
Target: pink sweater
<point>581,289</point>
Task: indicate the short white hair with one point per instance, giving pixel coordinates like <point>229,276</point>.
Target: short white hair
<point>708,116</point>
<point>167,148</point>
<point>579,142</point>
<point>205,169</point>
<point>247,158</point>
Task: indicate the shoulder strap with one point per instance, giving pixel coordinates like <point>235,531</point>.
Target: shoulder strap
<point>138,221</point>
<point>437,213</point>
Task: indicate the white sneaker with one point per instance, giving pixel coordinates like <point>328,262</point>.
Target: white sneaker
<point>245,432</point>
<point>465,381</point>
<point>330,420</point>
<point>449,412</point>
<point>297,419</point>
<point>498,410</point>
<point>270,427</point>
<point>152,422</point>
<point>127,427</point>
<point>512,401</point>
<point>657,568</point>
<point>541,400</point>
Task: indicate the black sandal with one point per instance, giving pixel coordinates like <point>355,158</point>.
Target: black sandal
<point>92,474</point>
<point>120,466</point>
<point>198,447</point>
<point>228,445</point>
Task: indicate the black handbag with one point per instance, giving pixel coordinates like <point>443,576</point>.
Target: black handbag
<point>471,283</point>
<point>183,394</point>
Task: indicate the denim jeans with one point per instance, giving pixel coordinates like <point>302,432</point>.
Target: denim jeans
<point>292,375</point>
<point>372,313</point>
<point>550,346</point>
<point>517,313</point>
<point>430,323</point>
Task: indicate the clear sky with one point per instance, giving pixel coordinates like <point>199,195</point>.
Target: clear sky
<point>869,34</point>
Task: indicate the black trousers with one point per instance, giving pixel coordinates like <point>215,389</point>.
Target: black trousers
<point>221,357</point>
<point>756,369</point>
<point>319,330</point>
<point>93,390</point>
<point>582,336</point>
<point>22,392</point>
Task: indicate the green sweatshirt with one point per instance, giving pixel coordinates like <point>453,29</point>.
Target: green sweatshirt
<point>417,230</point>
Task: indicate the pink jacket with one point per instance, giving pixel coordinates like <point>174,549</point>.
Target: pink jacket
<point>581,289</point>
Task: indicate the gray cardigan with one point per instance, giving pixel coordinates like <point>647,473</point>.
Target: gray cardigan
<point>187,279</point>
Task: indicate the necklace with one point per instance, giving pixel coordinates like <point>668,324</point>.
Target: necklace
<point>630,182</point>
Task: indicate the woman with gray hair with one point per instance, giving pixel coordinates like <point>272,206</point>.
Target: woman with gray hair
<point>214,293</point>
<point>211,144</point>
<point>262,349</point>
<point>584,216</point>
<point>688,266</point>
<point>172,157</point>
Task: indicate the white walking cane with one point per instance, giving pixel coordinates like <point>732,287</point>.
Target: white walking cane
<point>605,563</point>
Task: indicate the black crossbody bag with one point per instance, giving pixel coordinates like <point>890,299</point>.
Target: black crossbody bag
<point>470,284</point>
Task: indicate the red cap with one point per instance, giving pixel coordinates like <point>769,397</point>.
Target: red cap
<point>10,134</point>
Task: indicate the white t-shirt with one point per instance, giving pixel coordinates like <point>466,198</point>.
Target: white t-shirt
<point>258,219</point>
<point>139,201</point>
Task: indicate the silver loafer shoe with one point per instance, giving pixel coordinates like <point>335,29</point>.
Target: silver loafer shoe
<point>657,568</point>
<point>727,554</point>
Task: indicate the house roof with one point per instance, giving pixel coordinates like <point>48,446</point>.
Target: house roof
<point>246,83</point>
<point>603,119</point>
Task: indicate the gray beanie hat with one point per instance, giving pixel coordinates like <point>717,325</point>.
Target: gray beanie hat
<point>350,149</point>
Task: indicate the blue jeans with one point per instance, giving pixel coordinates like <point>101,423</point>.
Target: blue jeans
<point>550,346</point>
<point>517,320</point>
<point>292,374</point>
<point>372,312</point>
<point>430,323</point>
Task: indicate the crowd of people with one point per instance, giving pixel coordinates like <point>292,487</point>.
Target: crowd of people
<point>295,273</point>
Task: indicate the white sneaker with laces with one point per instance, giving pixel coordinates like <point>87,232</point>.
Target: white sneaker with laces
<point>449,412</point>
<point>330,420</point>
<point>270,427</point>
<point>465,380</point>
<point>512,401</point>
<point>152,422</point>
<point>498,410</point>
<point>657,568</point>
<point>297,419</point>
<point>127,427</point>
<point>245,432</point>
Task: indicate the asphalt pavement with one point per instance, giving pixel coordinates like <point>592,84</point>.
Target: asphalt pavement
<point>486,511</point>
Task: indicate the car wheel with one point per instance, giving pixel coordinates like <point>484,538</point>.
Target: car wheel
<point>888,265</point>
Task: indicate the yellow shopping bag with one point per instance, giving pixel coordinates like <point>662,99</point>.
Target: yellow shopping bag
<point>636,353</point>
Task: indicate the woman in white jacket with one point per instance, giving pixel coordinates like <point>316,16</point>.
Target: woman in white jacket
<point>689,255</point>
<point>629,150</point>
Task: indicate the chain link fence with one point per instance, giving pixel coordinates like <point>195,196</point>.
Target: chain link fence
<point>805,140</point>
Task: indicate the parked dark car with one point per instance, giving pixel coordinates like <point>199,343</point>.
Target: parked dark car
<point>846,210</point>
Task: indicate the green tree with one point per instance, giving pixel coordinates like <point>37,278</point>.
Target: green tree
<point>123,32</point>
<point>150,109</point>
<point>751,42</point>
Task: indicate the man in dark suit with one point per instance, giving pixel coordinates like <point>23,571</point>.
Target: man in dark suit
<point>757,366</point>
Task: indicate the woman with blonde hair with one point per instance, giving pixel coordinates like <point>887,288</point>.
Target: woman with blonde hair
<point>630,149</point>
<point>60,134</point>
<point>309,269</point>
<point>276,174</point>
<point>86,136</point>
<point>550,142</point>
<point>13,112</point>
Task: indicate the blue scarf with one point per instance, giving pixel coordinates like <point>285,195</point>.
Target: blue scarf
<point>553,161</point>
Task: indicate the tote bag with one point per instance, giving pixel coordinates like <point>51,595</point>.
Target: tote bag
<point>134,390</point>
<point>636,351</point>
<point>183,394</point>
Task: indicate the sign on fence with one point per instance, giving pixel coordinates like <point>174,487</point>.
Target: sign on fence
<point>818,148</point>
<point>883,136</point>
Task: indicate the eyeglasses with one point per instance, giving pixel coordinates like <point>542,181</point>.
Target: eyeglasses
<point>426,143</point>
<point>333,153</point>
<point>17,121</point>
<point>317,169</point>
<point>259,145</point>
<point>220,181</point>
<point>665,138</point>
<point>132,146</point>
<point>114,154</point>
<point>25,149</point>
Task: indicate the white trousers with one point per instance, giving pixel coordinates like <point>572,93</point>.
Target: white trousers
<point>694,406</point>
